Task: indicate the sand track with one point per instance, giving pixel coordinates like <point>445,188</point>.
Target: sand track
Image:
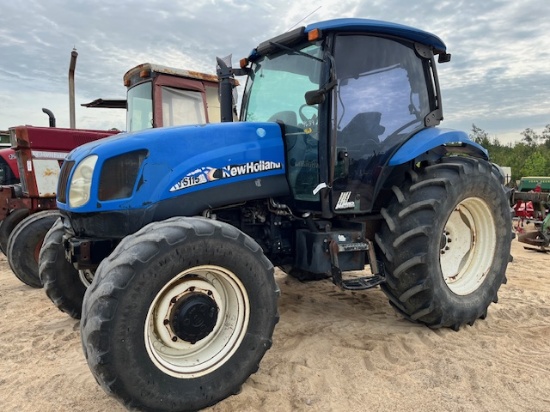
<point>332,351</point>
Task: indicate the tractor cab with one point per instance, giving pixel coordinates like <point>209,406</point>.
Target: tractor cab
<point>347,96</point>
<point>160,96</point>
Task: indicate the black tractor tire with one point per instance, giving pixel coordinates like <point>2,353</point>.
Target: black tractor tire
<point>179,315</point>
<point>24,245</point>
<point>61,280</point>
<point>8,224</point>
<point>445,242</point>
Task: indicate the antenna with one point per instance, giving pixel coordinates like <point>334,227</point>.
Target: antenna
<point>314,11</point>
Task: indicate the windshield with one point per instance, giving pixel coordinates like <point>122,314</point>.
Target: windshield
<point>275,92</point>
<point>140,107</point>
<point>278,83</point>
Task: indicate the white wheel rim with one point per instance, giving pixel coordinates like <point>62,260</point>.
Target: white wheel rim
<point>179,357</point>
<point>468,246</point>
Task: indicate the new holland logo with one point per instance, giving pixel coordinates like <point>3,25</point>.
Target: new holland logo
<point>207,174</point>
<point>252,167</point>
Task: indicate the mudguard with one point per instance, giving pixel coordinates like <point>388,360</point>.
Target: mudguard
<point>444,140</point>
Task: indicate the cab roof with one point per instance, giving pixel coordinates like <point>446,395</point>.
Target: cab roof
<point>376,27</point>
<point>380,27</point>
<point>150,68</point>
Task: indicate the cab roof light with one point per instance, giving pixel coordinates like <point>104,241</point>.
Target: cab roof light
<point>314,34</point>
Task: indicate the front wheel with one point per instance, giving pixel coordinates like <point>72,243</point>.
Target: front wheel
<point>445,242</point>
<point>8,224</point>
<point>24,245</point>
<point>62,282</point>
<point>179,315</point>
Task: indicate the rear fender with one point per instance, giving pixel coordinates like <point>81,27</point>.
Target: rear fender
<point>433,143</point>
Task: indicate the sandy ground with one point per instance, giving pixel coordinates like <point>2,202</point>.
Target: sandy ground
<point>332,351</point>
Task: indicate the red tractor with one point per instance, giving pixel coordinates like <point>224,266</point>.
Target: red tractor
<point>9,172</point>
<point>157,96</point>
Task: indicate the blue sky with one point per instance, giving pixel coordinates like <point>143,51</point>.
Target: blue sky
<point>499,76</point>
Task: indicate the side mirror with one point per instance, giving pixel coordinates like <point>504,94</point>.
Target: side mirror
<point>318,96</point>
<point>225,77</point>
<point>444,58</point>
<point>315,97</point>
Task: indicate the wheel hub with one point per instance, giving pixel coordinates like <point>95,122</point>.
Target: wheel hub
<point>197,321</point>
<point>467,246</point>
<point>194,317</point>
<point>444,242</point>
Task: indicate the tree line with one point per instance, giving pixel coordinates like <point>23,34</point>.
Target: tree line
<point>529,157</point>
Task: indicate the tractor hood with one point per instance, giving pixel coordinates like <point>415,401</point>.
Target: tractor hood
<point>135,170</point>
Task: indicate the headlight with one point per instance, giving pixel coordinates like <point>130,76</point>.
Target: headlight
<point>81,182</point>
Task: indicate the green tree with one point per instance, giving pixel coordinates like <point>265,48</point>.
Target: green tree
<point>530,137</point>
<point>535,165</point>
<point>546,136</point>
<point>480,136</point>
<point>529,157</point>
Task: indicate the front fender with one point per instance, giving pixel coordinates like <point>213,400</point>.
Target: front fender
<point>440,141</point>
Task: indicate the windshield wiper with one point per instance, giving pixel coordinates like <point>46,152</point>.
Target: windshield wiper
<point>290,49</point>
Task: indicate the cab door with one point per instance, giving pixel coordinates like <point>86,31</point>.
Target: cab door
<point>381,100</point>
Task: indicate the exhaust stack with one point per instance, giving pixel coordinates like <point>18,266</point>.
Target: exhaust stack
<point>72,67</point>
<point>50,115</point>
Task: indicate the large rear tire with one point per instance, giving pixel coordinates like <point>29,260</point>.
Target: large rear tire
<point>61,280</point>
<point>24,245</point>
<point>179,315</point>
<point>8,224</point>
<point>445,242</point>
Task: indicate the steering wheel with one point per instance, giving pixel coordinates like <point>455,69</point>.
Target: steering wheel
<point>309,124</point>
<point>305,119</point>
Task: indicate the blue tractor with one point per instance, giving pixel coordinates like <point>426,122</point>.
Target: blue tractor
<point>168,238</point>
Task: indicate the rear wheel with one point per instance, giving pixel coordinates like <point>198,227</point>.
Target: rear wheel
<point>24,245</point>
<point>62,282</point>
<point>8,224</point>
<point>179,315</point>
<point>445,242</point>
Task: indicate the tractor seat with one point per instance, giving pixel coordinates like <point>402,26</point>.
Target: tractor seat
<point>360,135</point>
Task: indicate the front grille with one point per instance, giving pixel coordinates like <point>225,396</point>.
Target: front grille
<point>63,182</point>
<point>119,174</point>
